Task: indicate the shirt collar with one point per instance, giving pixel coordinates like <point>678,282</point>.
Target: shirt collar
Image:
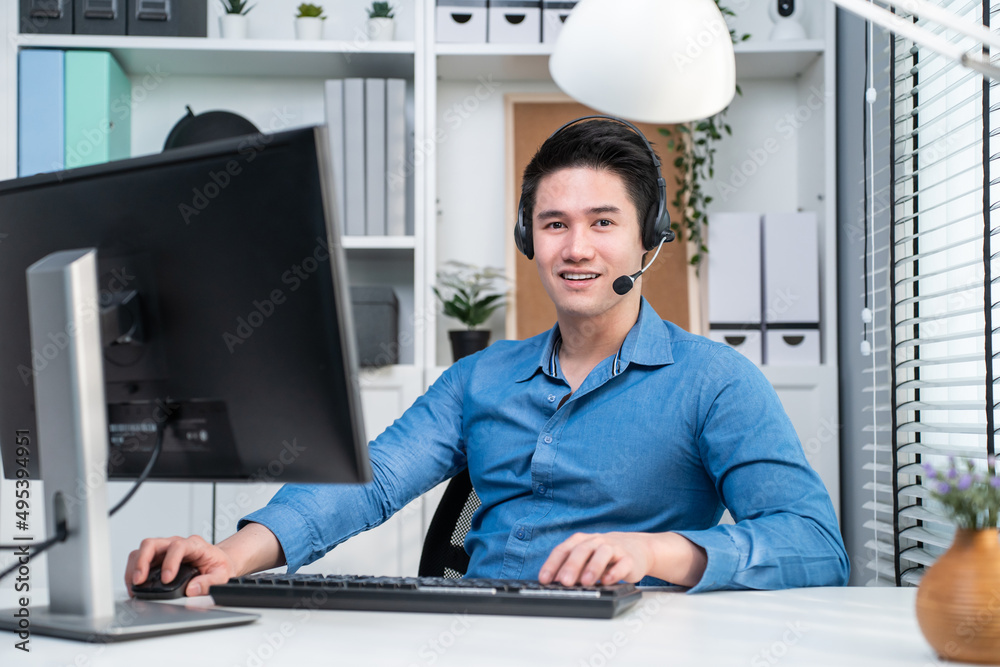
<point>647,344</point>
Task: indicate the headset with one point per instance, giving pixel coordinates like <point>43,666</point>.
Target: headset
<point>656,225</point>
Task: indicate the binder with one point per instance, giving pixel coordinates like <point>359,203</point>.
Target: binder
<point>98,109</point>
<point>354,156</point>
<point>40,120</point>
<point>46,16</point>
<point>395,157</point>
<point>99,17</point>
<point>334,97</point>
<point>375,157</point>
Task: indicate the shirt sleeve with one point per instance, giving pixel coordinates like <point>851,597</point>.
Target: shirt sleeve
<point>422,448</point>
<point>785,533</point>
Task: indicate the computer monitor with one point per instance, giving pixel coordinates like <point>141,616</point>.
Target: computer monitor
<point>199,294</point>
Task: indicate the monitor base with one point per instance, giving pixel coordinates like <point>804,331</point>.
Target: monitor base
<point>133,619</point>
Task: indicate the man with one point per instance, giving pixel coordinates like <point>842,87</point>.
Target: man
<point>603,450</point>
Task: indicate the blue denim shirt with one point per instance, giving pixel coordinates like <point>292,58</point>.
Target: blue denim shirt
<point>660,437</point>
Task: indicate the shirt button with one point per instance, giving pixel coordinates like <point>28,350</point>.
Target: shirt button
<point>541,489</point>
<point>520,534</point>
<point>552,398</point>
<point>547,439</point>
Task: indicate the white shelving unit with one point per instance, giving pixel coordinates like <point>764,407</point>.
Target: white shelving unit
<point>460,207</point>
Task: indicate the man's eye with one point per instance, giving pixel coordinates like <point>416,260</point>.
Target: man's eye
<point>555,225</point>
<point>604,223</point>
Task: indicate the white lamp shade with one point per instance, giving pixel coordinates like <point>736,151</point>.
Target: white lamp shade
<point>651,61</point>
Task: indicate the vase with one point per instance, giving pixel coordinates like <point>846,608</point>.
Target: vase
<point>468,341</point>
<point>233,26</point>
<point>958,602</point>
<point>381,29</point>
<point>309,27</point>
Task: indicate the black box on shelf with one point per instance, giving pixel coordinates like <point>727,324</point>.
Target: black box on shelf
<point>46,16</point>
<point>99,17</point>
<point>376,323</point>
<point>168,18</point>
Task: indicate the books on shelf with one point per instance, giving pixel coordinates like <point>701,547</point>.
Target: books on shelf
<point>74,109</point>
<point>366,122</point>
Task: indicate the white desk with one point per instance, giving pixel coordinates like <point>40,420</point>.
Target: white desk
<point>840,627</point>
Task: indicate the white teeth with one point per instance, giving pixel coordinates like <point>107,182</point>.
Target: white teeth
<point>579,276</point>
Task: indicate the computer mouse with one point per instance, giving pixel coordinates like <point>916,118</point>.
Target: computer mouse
<point>154,589</point>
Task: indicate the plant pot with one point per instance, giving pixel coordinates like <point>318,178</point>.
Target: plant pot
<point>308,27</point>
<point>233,26</point>
<point>381,29</point>
<point>958,602</point>
<point>468,341</point>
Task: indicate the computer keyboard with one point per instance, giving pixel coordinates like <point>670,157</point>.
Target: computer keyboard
<point>426,594</point>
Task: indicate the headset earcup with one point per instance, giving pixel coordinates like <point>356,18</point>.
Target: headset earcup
<point>522,233</point>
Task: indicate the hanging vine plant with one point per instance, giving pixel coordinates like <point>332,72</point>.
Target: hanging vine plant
<point>695,145</point>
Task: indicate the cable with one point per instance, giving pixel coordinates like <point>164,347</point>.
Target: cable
<point>62,532</point>
<point>37,549</point>
<point>145,473</point>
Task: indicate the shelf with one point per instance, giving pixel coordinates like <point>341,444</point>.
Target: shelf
<point>776,60</point>
<point>378,242</point>
<point>530,62</point>
<point>241,57</point>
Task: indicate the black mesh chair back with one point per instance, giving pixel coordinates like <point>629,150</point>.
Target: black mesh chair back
<point>444,547</point>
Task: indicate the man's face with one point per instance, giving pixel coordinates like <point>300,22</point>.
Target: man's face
<point>586,234</point>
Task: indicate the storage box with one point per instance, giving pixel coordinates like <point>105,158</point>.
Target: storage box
<point>791,268</point>
<point>792,347</point>
<point>99,17</point>
<point>745,341</point>
<point>515,21</point>
<point>376,323</point>
<point>734,270</point>
<point>46,16</point>
<point>167,18</point>
<point>461,21</point>
<point>554,14</point>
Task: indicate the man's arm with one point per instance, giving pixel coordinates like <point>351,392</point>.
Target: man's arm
<point>786,533</point>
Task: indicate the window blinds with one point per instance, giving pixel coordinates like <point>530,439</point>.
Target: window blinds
<point>935,304</point>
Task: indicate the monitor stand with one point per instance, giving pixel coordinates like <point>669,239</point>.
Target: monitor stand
<point>72,424</point>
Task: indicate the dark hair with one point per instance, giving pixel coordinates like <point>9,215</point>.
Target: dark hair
<point>598,144</point>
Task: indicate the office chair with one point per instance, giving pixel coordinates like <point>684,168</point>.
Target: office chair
<point>444,554</point>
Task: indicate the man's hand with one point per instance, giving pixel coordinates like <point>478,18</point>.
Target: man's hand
<point>215,565</point>
<point>603,558</point>
<point>252,549</point>
<point>607,558</point>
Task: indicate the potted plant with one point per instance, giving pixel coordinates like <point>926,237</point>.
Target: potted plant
<point>381,27</point>
<point>233,22</point>
<point>956,601</point>
<point>309,21</point>
<point>470,296</point>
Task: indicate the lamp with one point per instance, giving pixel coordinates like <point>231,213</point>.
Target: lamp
<point>652,61</point>
<point>671,61</point>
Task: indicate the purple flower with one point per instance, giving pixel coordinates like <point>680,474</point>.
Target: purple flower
<point>965,482</point>
<point>929,469</point>
<point>952,473</point>
<point>943,487</point>
<point>995,482</point>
